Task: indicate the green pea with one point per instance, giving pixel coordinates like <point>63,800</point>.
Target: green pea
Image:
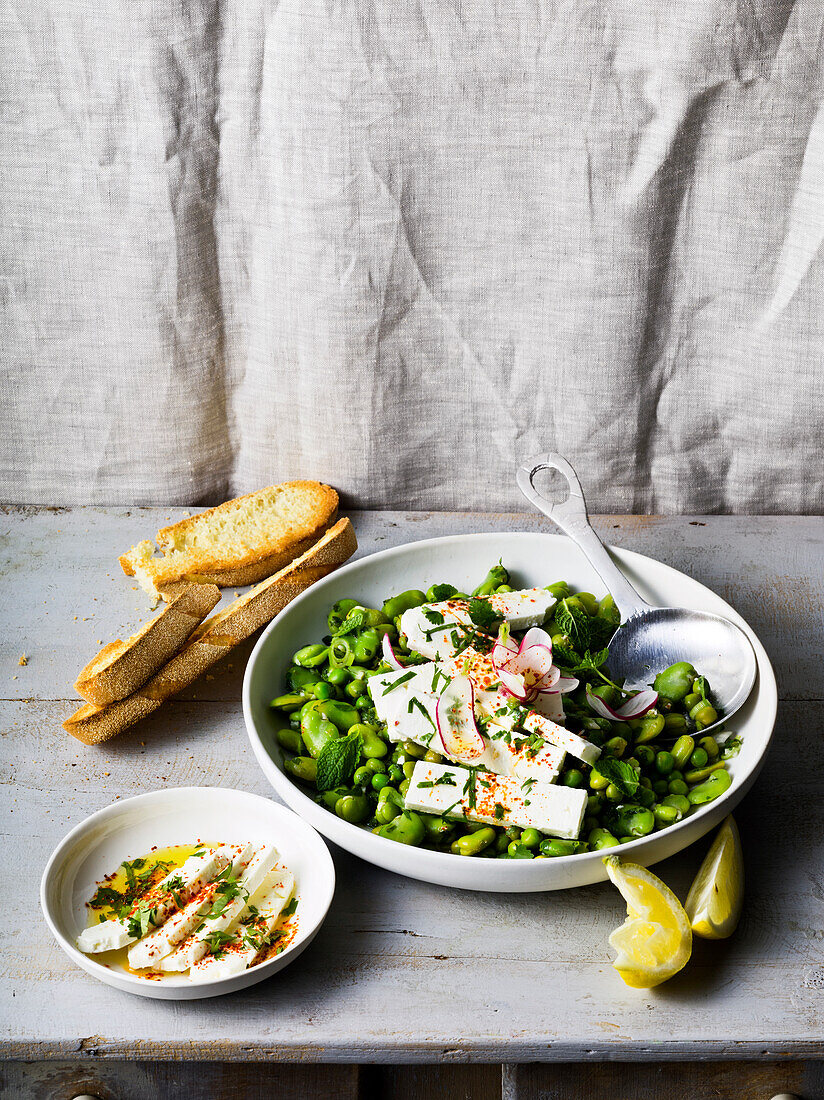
<point>363,705</point>
<point>379,781</point>
<point>353,808</point>
<point>560,640</point>
<point>601,838</point>
<point>677,786</point>
<point>666,815</point>
<point>710,747</point>
<point>302,680</point>
<point>698,775</point>
<point>354,689</point>
<point>660,787</point>
<point>682,750</point>
<point>530,838</point>
<point>395,773</point>
<point>645,755</point>
<point>474,843</point>
<point>302,767</point>
<point>704,714</point>
<point>650,727</point>
<point>664,762</point>
<point>608,611</point>
<point>336,676</point>
<point>560,590</point>
<point>572,777</point>
<point>692,700</point>
<point>632,820</point>
<point>589,602</point>
<point>675,682</point>
<point>396,606</point>
<point>311,656</point>
<point>342,652</point>
<point>613,793</point>
<point>288,702</point>
<point>597,781</point>
<point>555,847</point>
<point>516,850</point>
<point>678,801</point>
<point>323,691</point>
<point>290,739</point>
<point>595,803</point>
<point>699,759</point>
<point>616,746</point>
<point>711,788</point>
<point>496,576</point>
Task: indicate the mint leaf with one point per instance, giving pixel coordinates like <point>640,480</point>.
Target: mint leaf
<point>337,761</point>
<point>575,623</point>
<point>591,662</point>
<point>619,772</point>
<point>482,614</point>
<point>353,621</point>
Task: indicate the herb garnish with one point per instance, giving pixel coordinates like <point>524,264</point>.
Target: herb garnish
<point>407,676</point>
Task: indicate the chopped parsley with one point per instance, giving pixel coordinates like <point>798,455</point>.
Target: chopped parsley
<point>217,942</point>
<point>433,616</point>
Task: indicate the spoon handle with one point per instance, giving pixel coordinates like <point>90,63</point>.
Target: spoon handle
<point>571,517</point>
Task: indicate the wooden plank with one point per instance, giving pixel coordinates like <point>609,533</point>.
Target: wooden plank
<point>696,1081</point>
<point>405,971</point>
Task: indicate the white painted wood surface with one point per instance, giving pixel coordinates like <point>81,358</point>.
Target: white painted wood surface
<point>404,971</point>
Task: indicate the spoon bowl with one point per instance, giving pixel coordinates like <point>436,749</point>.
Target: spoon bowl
<point>649,639</point>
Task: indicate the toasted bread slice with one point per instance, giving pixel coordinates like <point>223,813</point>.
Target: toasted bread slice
<point>239,542</point>
<point>216,636</point>
<point>122,667</point>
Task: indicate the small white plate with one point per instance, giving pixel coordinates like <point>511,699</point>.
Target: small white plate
<point>181,815</point>
<point>463,560</point>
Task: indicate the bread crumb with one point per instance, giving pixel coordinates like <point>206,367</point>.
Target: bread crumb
<point>23,660</point>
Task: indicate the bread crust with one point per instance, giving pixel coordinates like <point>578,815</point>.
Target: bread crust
<point>120,668</point>
<point>217,636</point>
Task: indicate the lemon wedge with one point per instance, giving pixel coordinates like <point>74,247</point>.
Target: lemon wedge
<point>714,902</point>
<point>655,941</point>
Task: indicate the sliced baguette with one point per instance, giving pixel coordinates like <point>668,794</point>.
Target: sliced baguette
<point>216,636</point>
<point>239,542</point>
<point>120,668</point>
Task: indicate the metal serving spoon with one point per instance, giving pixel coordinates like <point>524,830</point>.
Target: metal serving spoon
<point>649,638</point>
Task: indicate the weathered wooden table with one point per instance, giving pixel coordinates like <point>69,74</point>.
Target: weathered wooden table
<point>403,972</point>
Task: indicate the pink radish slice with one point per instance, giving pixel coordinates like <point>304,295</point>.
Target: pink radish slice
<point>536,636</point>
<point>564,684</point>
<point>389,654</point>
<point>455,719</point>
<point>634,707</point>
<point>513,684</point>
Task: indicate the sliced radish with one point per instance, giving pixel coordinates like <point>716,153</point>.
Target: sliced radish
<point>389,654</point>
<point>562,685</point>
<point>455,719</point>
<point>634,707</point>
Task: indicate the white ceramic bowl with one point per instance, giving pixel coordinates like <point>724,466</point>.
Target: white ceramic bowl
<point>463,560</point>
<point>181,815</point>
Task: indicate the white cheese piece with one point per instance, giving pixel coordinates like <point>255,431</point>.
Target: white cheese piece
<point>239,955</point>
<point>111,935</point>
<point>156,945</point>
<point>496,799</point>
<point>431,639</point>
<point>195,946</point>
<point>574,744</point>
<point>415,721</point>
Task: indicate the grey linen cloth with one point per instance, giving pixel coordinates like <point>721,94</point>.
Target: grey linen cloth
<point>398,247</point>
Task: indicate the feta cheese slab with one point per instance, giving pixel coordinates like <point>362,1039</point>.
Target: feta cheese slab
<point>573,743</point>
<point>496,799</point>
<point>407,701</point>
<point>147,951</point>
<point>430,638</point>
<point>242,952</point>
<point>191,876</point>
<point>195,946</point>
